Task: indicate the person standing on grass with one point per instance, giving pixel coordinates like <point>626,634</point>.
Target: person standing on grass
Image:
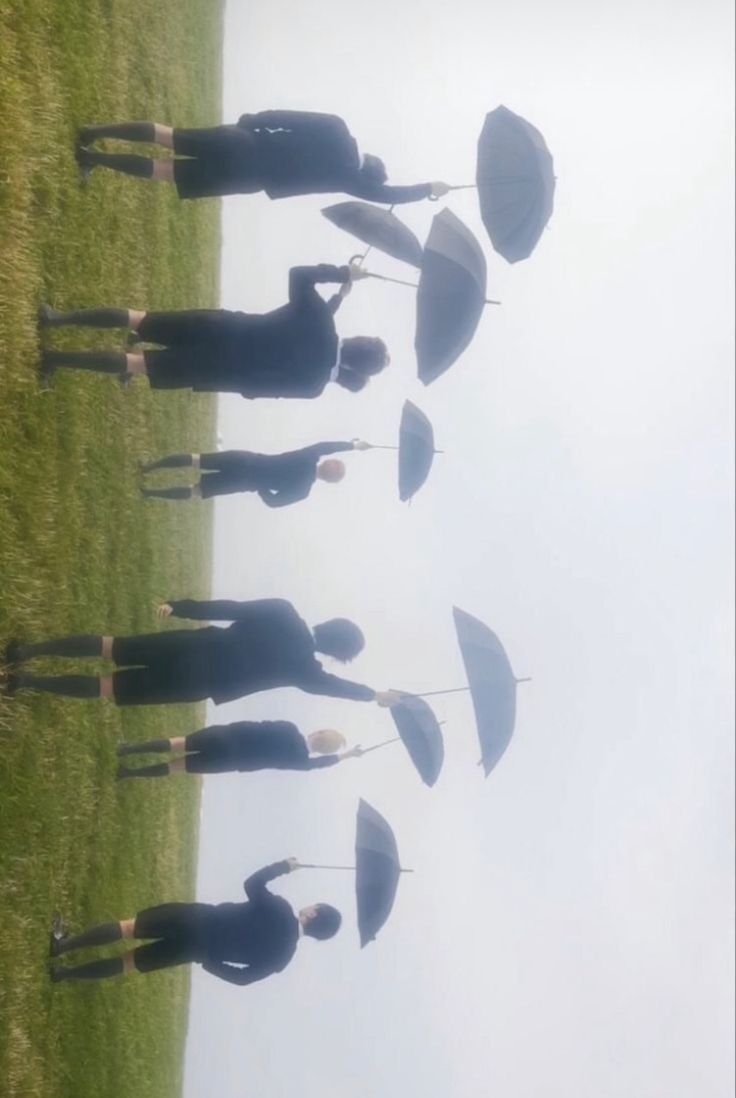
<point>293,351</point>
<point>283,153</point>
<point>279,479</point>
<point>266,646</point>
<point>239,942</point>
<point>245,745</point>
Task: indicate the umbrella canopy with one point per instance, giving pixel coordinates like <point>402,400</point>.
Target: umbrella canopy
<point>450,297</point>
<point>378,228</point>
<point>516,183</point>
<point>416,450</point>
<point>421,735</point>
<point>377,871</point>
<point>492,685</point>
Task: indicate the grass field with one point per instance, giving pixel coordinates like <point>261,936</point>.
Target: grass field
<point>79,551</point>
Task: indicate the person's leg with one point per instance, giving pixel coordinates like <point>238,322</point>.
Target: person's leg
<point>102,934</point>
<point>96,936</point>
<point>177,743</point>
<point>157,770</point>
<point>152,133</point>
<point>68,686</point>
<point>173,461</point>
<point>101,362</point>
<point>75,647</point>
<point>90,318</point>
<point>169,493</point>
<point>142,167</point>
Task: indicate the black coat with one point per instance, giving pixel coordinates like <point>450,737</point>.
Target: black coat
<point>289,352</point>
<point>267,646</point>
<point>302,152</point>
<point>261,935</point>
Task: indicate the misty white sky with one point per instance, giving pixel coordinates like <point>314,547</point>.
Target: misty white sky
<point>567,932</point>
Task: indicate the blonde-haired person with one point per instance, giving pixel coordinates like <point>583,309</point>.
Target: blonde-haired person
<point>245,745</point>
<point>278,479</point>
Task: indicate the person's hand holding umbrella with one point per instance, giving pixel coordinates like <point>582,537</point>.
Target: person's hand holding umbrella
<point>388,698</point>
<point>359,444</point>
<point>293,864</point>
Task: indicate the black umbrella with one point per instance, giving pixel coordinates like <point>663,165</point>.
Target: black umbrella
<point>377,870</point>
<point>492,686</point>
<point>451,295</point>
<point>416,450</point>
<point>516,183</point>
<point>419,731</point>
<point>378,228</point>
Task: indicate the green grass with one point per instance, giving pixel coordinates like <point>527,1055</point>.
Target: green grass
<point>79,551</point>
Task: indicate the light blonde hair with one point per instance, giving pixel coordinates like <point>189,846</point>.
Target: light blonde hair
<point>326,741</point>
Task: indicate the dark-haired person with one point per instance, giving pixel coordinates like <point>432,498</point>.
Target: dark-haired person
<point>267,646</point>
<point>279,479</point>
<point>283,153</point>
<point>293,351</point>
<point>242,746</point>
<point>239,942</point>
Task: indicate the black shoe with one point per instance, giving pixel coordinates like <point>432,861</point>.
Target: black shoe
<point>47,316</point>
<point>12,654</point>
<point>85,137</point>
<point>84,163</point>
<point>10,685</point>
<point>122,773</point>
<point>56,973</point>
<point>45,373</point>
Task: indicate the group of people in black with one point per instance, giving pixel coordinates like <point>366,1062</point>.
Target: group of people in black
<point>293,351</point>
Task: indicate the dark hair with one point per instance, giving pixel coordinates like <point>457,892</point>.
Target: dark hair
<point>340,638</point>
<point>364,355</point>
<point>353,382</point>
<point>325,924</point>
<point>374,168</point>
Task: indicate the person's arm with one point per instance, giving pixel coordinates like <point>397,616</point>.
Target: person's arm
<point>385,193</point>
<point>255,885</point>
<point>322,449</point>
<point>319,681</point>
<point>317,762</point>
<point>302,280</point>
<point>236,974</point>
<point>221,609</point>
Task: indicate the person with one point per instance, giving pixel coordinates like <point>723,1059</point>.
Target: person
<point>266,646</point>
<point>278,479</point>
<point>293,351</point>
<point>283,153</point>
<point>239,942</point>
<point>244,745</point>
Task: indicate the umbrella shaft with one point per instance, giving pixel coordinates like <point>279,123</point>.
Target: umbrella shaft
<point>384,744</point>
<point>308,865</point>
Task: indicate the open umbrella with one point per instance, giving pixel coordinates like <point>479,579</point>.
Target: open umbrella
<point>516,183</point>
<point>378,228</point>
<point>451,295</point>
<point>419,731</point>
<point>376,868</point>
<point>416,450</point>
<point>491,684</point>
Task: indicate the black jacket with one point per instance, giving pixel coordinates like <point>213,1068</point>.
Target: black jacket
<point>260,935</point>
<point>287,478</point>
<point>302,152</point>
<point>289,352</point>
<point>267,646</point>
<point>268,745</point>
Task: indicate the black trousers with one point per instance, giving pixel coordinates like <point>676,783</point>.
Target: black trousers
<point>180,931</point>
<point>220,160</point>
<point>160,669</point>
